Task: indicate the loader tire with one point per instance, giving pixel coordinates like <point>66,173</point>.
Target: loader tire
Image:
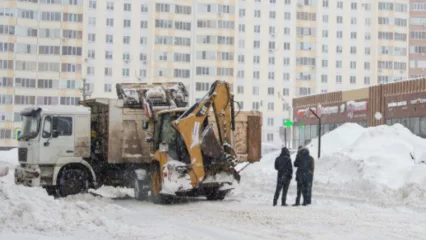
<point>215,195</point>
<point>73,181</point>
<point>140,193</point>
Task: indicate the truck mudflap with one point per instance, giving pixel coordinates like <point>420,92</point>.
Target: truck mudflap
<point>27,177</point>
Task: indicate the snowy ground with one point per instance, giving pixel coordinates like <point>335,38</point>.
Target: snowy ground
<point>356,195</point>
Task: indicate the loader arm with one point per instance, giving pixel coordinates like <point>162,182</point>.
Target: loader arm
<point>190,125</point>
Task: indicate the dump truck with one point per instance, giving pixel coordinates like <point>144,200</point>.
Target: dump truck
<point>147,139</point>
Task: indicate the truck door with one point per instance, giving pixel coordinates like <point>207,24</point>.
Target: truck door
<point>57,139</point>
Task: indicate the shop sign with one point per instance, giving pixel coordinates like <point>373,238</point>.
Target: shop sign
<point>327,110</point>
<point>355,107</point>
<point>418,101</point>
<point>397,104</point>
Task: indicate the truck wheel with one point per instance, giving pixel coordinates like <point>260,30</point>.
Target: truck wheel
<point>52,191</point>
<point>73,181</point>
<point>140,193</point>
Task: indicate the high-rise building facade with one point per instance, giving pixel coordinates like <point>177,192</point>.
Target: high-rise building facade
<point>293,48</point>
<point>417,38</point>
<point>41,60</point>
<point>269,50</point>
<point>158,41</point>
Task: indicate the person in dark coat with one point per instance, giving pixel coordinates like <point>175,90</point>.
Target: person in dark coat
<point>285,173</point>
<point>304,164</point>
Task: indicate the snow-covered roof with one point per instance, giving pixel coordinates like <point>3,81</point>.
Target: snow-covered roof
<point>60,109</point>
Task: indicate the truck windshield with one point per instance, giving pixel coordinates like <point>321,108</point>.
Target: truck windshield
<point>30,127</point>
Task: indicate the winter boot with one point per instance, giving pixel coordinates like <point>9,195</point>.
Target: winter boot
<point>296,204</point>
<point>275,202</point>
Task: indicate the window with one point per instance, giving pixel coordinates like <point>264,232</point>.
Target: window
<point>287,16</point>
<point>127,7</point>
<point>202,86</point>
<point>325,3</point>
<point>107,87</point>
<point>354,6</point>
<point>181,73</point>
<point>324,78</point>
<point>109,38</point>
<point>270,122</point>
<point>367,51</point>
<point>367,80</point>
<point>241,28</point>
<point>353,65</point>
<point>241,58</point>
<point>325,18</point>
<point>272,14</point>
<point>256,59</point>
<point>270,106</point>
<point>240,74</point>
<point>340,5</point>
<point>110,5</point>
<point>92,21</point>
<point>126,23</point>
<point>126,40</point>
<point>240,89</point>
<point>271,60</point>
<point>353,80</point>
<point>270,91</point>
<point>338,79</point>
<point>286,92</point>
<point>63,125</point>
<point>69,100</point>
<point>108,71</point>
<point>6,82</point>
<point>5,133</point>
<point>92,37</point>
<point>367,66</point>
<point>270,137</point>
<point>271,75</point>
<point>126,72</point>
<point>92,4</point>
<point>324,63</point>
<point>339,19</point>
<point>353,35</point>
<point>257,13</point>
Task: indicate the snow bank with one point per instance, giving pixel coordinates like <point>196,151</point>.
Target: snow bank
<point>368,164</point>
<point>31,210</point>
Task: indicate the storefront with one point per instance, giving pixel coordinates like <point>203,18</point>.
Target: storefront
<point>332,116</point>
<point>408,110</point>
<point>401,102</point>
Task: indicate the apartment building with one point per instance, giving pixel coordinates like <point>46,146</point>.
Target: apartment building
<point>294,48</point>
<point>417,38</point>
<point>158,41</point>
<point>40,58</point>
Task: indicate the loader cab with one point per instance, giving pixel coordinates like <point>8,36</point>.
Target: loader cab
<point>167,138</point>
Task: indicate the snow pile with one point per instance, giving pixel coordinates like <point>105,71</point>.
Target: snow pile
<point>379,165</point>
<point>8,161</point>
<point>31,210</point>
<point>368,164</point>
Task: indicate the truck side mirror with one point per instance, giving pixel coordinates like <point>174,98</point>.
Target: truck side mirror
<point>145,124</point>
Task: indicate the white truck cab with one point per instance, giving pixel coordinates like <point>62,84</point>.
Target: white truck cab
<point>53,139</point>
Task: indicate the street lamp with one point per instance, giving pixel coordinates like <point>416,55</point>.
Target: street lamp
<point>289,108</point>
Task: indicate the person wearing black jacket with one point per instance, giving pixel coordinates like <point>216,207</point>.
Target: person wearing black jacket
<point>305,167</point>
<point>285,173</point>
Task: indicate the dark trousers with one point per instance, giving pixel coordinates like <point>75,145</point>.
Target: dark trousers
<point>282,184</point>
<point>302,189</point>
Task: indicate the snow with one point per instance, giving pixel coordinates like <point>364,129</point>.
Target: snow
<point>366,186</point>
<point>364,164</point>
<point>173,181</point>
